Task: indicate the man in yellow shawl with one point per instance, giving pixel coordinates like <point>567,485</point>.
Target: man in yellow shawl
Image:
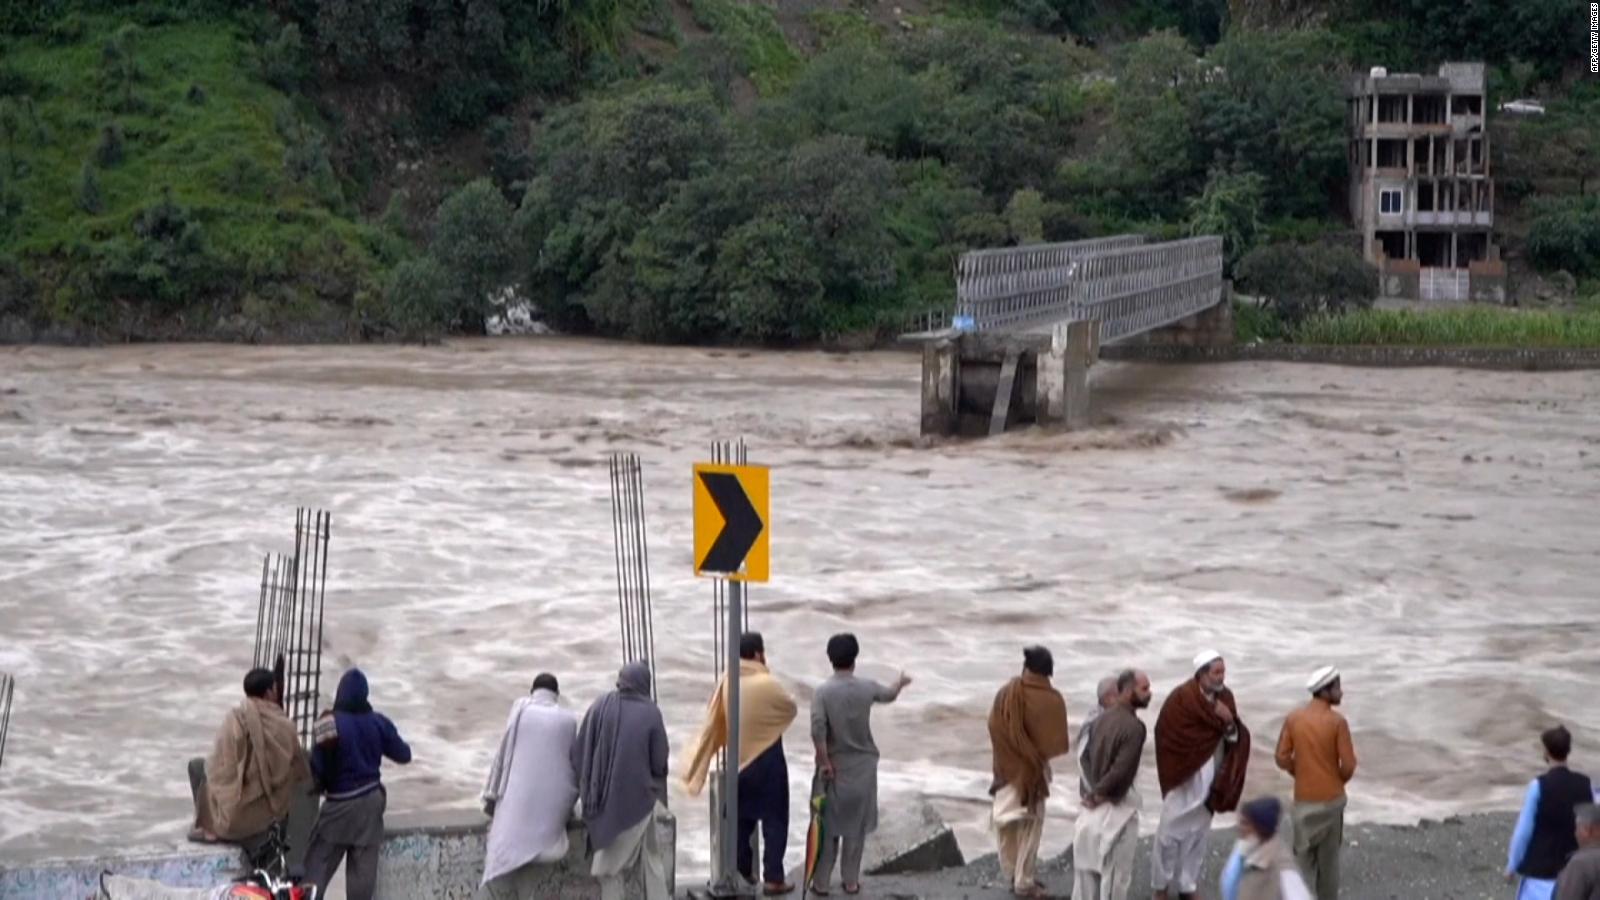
<point>1027,728</point>
<point>765,712</point>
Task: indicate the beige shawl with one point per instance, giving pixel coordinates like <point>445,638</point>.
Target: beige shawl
<point>256,763</point>
<point>765,712</point>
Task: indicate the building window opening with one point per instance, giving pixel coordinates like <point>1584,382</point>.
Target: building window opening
<point>1391,202</point>
<point>1472,246</point>
<point>1425,196</point>
<point>1466,106</point>
<point>1433,248</point>
<point>1391,154</point>
<point>1392,109</point>
<point>1428,109</point>
<point>1393,243</point>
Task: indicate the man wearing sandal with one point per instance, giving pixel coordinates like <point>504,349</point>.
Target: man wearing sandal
<point>847,762</point>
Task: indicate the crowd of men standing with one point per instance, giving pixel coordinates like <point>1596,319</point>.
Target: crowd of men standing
<point>611,767</point>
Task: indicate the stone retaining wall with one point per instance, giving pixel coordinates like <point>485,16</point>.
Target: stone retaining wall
<point>1507,358</point>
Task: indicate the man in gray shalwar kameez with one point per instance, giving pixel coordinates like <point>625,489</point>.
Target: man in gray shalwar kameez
<point>621,760</point>
<point>847,762</point>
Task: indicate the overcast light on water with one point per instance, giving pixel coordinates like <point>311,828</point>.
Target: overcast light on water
<point>1430,531</point>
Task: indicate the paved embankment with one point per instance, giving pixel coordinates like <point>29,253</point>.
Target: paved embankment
<point>1457,859</point>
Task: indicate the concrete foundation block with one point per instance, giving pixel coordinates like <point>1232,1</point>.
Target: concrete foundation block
<point>911,840</point>
<point>941,387</point>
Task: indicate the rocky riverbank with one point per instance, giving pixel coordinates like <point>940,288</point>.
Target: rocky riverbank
<point>1460,858</point>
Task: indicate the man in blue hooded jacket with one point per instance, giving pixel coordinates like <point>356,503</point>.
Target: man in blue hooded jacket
<point>351,743</point>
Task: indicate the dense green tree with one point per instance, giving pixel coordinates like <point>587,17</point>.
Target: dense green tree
<point>1155,115</point>
<point>1566,235</point>
<point>472,242</point>
<point>1231,207</point>
<point>1273,104</point>
<point>1299,281</point>
<point>418,298</point>
<point>1419,34</point>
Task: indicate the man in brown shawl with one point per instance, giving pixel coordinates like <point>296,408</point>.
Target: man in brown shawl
<point>1027,728</point>
<point>246,785</point>
<point>1201,752</point>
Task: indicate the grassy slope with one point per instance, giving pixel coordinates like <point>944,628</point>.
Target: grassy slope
<point>203,125</point>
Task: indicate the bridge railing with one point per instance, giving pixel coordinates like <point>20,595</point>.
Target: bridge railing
<point>1133,290</point>
<point>1010,288</point>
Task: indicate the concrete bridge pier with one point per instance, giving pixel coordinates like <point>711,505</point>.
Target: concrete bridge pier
<point>977,383</point>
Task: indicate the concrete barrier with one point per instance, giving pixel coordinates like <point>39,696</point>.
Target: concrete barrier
<point>437,856</point>
<point>911,841</point>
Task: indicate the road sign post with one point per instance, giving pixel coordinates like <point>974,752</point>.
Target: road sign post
<point>732,542</point>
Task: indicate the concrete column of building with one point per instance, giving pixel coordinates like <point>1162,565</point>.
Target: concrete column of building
<point>941,386</point>
<point>1453,236</point>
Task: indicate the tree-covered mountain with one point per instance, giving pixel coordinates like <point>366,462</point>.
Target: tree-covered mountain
<point>697,170</point>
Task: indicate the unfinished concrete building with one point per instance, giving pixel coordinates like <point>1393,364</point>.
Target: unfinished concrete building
<point>1421,187</point>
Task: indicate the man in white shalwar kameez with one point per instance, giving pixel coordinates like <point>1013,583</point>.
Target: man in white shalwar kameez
<point>1201,752</point>
<point>530,793</point>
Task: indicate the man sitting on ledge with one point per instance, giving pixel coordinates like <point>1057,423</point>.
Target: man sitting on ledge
<point>246,785</point>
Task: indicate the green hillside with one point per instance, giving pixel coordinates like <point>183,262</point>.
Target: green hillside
<point>699,170</point>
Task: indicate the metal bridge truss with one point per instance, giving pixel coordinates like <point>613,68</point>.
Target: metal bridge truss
<point>1128,286</point>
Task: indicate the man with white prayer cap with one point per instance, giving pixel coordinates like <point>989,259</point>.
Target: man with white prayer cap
<point>1315,748</point>
<point>1202,750</point>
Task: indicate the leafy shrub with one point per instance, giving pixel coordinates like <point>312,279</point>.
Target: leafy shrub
<point>509,161</point>
<point>1255,322</point>
<point>1300,281</point>
<point>89,197</point>
<point>417,297</point>
<point>111,148</point>
<point>167,260</point>
<point>1566,235</point>
<point>283,59</point>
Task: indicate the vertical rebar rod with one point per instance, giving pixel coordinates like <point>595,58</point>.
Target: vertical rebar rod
<point>617,553</point>
<point>304,559</point>
<point>631,541</point>
<point>322,607</point>
<point>261,611</point>
<point>646,612</point>
<point>7,694</point>
<point>281,592</point>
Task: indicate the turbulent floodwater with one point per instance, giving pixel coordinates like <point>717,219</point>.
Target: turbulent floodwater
<point>1432,532</point>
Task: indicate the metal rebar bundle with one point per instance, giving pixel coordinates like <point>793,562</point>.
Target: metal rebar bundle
<point>633,563</point>
<point>8,687</point>
<point>290,616</point>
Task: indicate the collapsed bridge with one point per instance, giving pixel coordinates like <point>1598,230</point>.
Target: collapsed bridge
<point>1029,322</point>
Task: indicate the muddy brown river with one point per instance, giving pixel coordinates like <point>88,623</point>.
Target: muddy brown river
<point>1430,531</point>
